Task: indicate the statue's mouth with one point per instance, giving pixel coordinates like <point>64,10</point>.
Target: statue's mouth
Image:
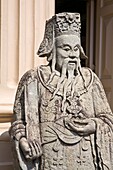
<point>72,62</point>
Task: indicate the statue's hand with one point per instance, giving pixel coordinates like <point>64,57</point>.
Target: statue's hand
<point>82,127</point>
<point>24,145</point>
<point>31,150</point>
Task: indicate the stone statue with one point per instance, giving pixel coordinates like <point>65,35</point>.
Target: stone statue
<point>62,120</point>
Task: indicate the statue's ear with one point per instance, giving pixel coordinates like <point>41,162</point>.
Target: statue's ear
<point>47,44</point>
<point>82,53</point>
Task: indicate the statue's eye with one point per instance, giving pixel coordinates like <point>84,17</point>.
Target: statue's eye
<point>76,48</point>
<point>66,48</point>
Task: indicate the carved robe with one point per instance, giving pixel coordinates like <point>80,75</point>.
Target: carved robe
<point>62,148</point>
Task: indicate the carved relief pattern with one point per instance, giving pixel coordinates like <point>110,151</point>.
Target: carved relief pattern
<point>59,141</point>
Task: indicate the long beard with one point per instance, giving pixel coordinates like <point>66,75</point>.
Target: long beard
<point>68,74</point>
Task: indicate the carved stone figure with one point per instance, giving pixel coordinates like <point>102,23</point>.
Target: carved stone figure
<point>62,120</point>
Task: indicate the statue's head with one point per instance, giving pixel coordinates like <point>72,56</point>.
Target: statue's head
<point>61,44</point>
<point>62,47</point>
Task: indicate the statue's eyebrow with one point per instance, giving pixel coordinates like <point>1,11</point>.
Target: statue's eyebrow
<point>64,45</point>
<point>77,45</point>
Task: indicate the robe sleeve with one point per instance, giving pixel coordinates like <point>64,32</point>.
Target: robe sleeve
<point>26,116</point>
<point>103,142</point>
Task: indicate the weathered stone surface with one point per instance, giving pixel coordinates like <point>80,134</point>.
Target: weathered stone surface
<point>62,120</point>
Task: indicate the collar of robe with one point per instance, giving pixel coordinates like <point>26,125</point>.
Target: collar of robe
<point>44,73</point>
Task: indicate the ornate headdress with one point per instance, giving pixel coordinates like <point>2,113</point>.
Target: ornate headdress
<point>67,23</point>
<point>59,24</point>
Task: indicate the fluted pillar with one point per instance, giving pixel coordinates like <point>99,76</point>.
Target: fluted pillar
<point>22,29</point>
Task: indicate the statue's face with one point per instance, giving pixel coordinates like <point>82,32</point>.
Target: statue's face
<point>67,51</point>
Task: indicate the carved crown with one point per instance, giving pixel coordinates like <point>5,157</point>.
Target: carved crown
<point>67,23</point>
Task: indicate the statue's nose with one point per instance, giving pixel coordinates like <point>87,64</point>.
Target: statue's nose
<point>72,55</point>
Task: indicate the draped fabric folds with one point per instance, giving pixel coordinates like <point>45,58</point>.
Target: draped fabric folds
<point>29,109</point>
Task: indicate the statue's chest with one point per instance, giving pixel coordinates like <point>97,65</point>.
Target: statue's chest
<point>53,108</point>
<point>50,109</point>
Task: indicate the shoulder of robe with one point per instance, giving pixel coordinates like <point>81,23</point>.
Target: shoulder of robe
<point>26,79</point>
<point>29,77</point>
<point>91,78</point>
<point>88,76</point>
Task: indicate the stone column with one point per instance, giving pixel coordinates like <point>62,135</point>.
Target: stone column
<point>22,28</point>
